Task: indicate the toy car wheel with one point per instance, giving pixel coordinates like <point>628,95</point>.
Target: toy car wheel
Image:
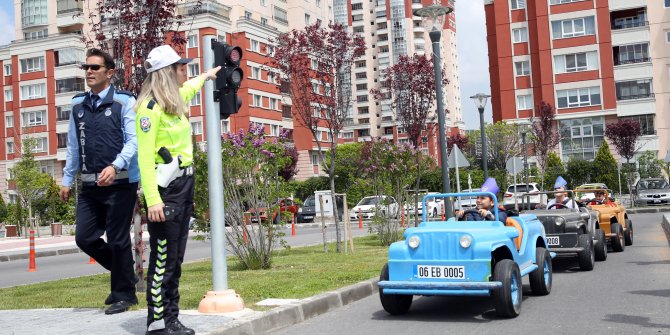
<point>601,245</point>
<point>394,304</point>
<point>507,298</point>
<point>586,257</point>
<point>541,278</point>
<point>618,243</point>
<point>628,233</point>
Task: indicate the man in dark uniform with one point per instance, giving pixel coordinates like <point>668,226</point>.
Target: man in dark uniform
<point>102,146</point>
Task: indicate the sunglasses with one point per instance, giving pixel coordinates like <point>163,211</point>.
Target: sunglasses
<point>94,67</point>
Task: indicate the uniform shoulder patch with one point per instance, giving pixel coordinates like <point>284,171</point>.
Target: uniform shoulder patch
<point>145,123</point>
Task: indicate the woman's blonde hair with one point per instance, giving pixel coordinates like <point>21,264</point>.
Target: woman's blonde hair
<point>162,87</point>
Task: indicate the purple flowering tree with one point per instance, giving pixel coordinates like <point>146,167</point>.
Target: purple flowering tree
<point>255,173</point>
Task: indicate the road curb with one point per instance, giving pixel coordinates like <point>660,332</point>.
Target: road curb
<point>298,312</point>
<point>665,223</point>
<point>38,254</point>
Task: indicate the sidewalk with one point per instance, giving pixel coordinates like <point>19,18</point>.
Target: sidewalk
<point>248,322</point>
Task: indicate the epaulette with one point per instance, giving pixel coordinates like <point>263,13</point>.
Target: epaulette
<point>82,94</point>
<point>151,104</point>
<point>128,93</point>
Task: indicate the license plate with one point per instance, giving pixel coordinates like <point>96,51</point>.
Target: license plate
<point>441,272</point>
<point>657,201</point>
<point>309,217</point>
<point>553,240</point>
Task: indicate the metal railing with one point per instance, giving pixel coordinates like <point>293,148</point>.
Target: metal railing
<point>632,61</point>
<point>629,25</point>
<point>634,96</point>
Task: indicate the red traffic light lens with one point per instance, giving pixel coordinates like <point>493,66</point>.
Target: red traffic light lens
<point>235,55</point>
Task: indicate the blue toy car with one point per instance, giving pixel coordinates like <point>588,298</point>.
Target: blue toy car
<point>475,258</point>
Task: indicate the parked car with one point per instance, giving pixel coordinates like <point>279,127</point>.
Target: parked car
<point>307,212</point>
<point>369,206</point>
<point>612,218</point>
<point>285,205</point>
<point>467,202</point>
<point>534,188</point>
<point>433,205</point>
<point>652,191</point>
<point>573,232</point>
<point>473,258</point>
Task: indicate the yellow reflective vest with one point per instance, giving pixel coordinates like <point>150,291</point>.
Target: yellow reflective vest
<point>156,129</point>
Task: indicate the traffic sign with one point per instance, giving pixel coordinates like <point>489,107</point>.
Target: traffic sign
<point>514,165</point>
<point>457,158</point>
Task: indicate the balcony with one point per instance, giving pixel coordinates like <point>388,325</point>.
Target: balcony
<point>630,36</point>
<point>195,8</point>
<point>618,62</point>
<point>630,97</point>
<point>626,4</point>
<point>69,13</point>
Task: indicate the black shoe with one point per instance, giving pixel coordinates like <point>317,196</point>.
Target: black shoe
<point>156,332</point>
<point>119,307</point>
<point>177,328</point>
<point>109,300</point>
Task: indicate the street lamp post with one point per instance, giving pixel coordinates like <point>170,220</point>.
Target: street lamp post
<point>524,130</point>
<point>480,101</point>
<point>434,15</point>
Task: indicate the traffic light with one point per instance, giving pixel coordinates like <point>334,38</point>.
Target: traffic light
<point>228,79</point>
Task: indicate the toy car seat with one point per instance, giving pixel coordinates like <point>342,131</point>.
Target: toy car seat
<point>511,222</point>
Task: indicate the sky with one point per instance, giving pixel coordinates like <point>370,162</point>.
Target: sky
<point>471,41</point>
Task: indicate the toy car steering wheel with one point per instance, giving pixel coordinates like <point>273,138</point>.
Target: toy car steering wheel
<point>598,202</point>
<point>557,204</point>
<point>472,215</point>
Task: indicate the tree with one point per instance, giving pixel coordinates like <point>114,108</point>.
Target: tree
<point>3,210</point>
<point>462,141</point>
<point>554,168</point>
<point>31,183</point>
<point>410,86</point>
<point>503,143</point>
<point>605,167</point>
<point>624,135</point>
<point>544,136</point>
<point>316,62</point>
<point>579,171</point>
<point>129,29</point>
<point>650,166</point>
<point>290,169</point>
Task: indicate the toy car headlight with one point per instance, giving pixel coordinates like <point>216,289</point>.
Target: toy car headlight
<point>560,221</point>
<point>414,242</point>
<point>466,241</point>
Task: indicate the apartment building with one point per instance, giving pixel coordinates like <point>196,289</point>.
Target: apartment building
<point>40,72</point>
<point>390,30</point>
<point>596,61</point>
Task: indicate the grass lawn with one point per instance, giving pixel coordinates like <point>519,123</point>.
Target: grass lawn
<point>295,273</point>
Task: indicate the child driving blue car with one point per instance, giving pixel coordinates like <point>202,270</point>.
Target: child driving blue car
<point>484,211</point>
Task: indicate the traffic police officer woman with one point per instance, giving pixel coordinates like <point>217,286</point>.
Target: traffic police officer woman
<point>101,144</point>
<point>162,122</point>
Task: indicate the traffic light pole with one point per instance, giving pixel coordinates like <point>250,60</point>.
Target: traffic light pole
<point>221,299</point>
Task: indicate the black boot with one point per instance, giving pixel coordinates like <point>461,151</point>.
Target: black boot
<point>177,328</point>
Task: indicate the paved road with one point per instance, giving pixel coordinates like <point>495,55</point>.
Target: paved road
<point>627,294</point>
<point>76,265</point>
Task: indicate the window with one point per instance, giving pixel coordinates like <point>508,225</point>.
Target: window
<point>35,35</point>
<point>355,6</point>
<point>359,29</point>
<point>264,21</point>
<point>667,36</point>
<point>10,147</point>
<point>522,68</point>
<point>307,17</point>
<point>193,70</point>
<point>631,21</point>
<point>34,91</point>
<point>68,56</point>
<point>646,123</point>
<point>274,130</point>
<point>258,100</point>
<point>581,138</point>
<point>221,38</point>
<point>63,113</point>
<point>348,135</point>
<point>9,121</point>
<point>196,128</point>
<point>318,3</point>
<point>70,85</point>
<point>8,69</point>
<point>518,4</point>
<point>9,95</point>
<point>40,145</point>
<point>255,72</point>
<point>264,3</point>
<point>360,64</point>
<point>520,35</point>
<point>327,90</point>
<point>578,97</point>
<point>630,54</point>
<point>315,88</point>
<point>583,61</point>
<point>270,50</point>
<point>362,98</point>
<point>363,132</point>
<point>361,87</point>
<point>363,110</point>
<point>272,77</point>
<point>247,14</point>
<point>315,158</point>
<point>255,46</point>
<point>32,64</point>
<point>361,75</point>
<point>314,64</point>
<point>524,102</point>
<point>316,112</point>
<point>574,27</point>
<point>225,127</point>
<point>31,119</point>
<point>634,89</point>
<point>195,101</point>
<point>280,15</point>
<point>33,13</point>
<point>61,140</point>
<point>192,41</point>
<point>558,2</point>
<point>357,17</point>
<point>274,104</point>
<point>667,3</point>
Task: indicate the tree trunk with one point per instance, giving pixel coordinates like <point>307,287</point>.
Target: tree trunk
<point>331,175</point>
<point>628,181</point>
<point>416,193</point>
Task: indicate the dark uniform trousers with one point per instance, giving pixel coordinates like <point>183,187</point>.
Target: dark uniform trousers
<point>168,244</point>
<point>109,210</point>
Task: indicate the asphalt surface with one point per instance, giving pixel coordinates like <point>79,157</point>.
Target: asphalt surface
<point>627,294</point>
<point>76,265</point>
